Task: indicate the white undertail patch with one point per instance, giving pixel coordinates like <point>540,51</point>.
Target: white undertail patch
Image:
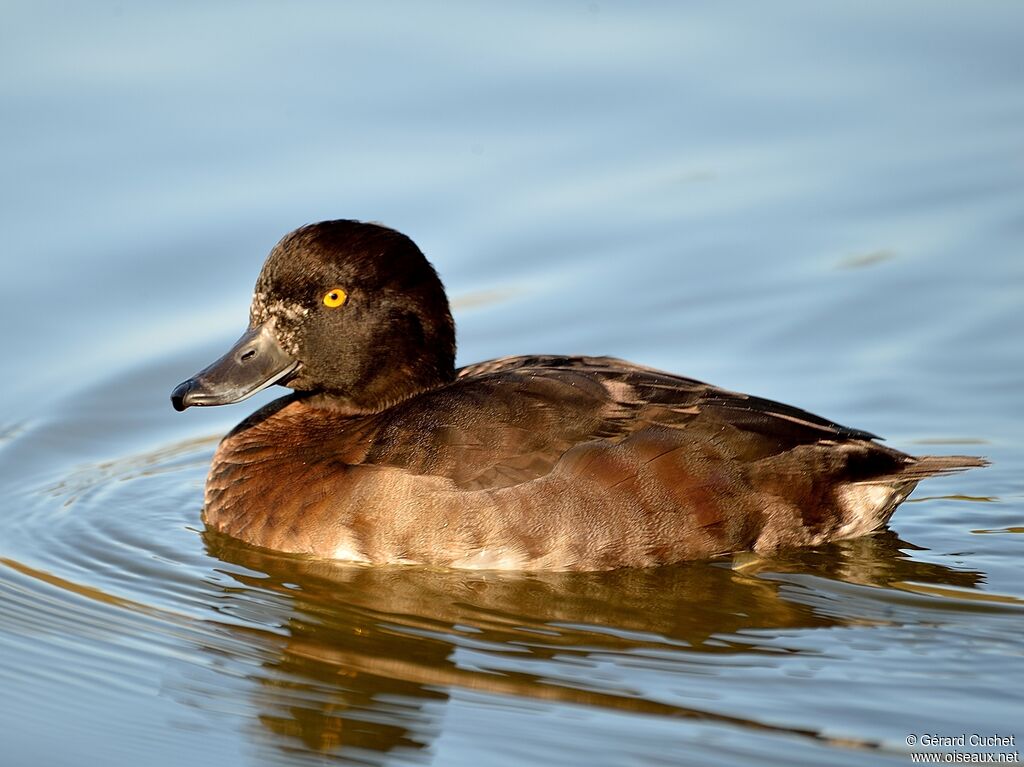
<point>866,506</point>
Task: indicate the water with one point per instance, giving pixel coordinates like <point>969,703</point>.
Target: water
<point>813,203</point>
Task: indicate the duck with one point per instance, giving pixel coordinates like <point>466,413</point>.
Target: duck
<point>385,453</point>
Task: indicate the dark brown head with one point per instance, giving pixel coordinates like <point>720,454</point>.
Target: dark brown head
<point>349,310</point>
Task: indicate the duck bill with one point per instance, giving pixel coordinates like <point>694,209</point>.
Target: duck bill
<point>255,362</point>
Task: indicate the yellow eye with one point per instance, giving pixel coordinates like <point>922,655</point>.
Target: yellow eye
<point>335,297</point>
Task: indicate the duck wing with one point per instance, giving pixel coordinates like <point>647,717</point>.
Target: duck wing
<point>511,420</point>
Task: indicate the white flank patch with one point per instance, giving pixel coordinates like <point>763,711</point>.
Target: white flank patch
<point>492,559</point>
<point>347,553</point>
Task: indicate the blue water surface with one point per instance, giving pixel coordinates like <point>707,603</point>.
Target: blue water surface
<point>817,203</point>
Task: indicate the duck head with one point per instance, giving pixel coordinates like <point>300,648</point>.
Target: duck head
<point>347,310</point>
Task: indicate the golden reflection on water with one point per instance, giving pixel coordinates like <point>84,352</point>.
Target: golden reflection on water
<point>337,660</point>
<point>369,654</point>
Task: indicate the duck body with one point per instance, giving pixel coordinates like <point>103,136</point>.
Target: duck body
<point>386,454</point>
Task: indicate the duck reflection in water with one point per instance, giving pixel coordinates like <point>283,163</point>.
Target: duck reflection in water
<point>367,659</point>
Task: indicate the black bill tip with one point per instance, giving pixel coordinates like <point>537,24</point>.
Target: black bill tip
<point>179,397</point>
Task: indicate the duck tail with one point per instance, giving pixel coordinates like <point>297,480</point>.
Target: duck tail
<point>868,503</point>
<point>932,465</point>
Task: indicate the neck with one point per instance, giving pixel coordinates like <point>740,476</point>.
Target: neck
<point>379,395</point>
